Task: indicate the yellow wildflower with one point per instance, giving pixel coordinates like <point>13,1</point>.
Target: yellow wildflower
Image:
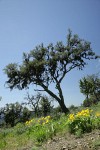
<point>71,117</point>
<point>84,113</point>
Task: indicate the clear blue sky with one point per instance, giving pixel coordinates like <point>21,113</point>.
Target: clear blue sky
<point>26,23</point>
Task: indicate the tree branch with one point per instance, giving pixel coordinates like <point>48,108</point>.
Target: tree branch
<point>38,90</point>
<point>50,92</point>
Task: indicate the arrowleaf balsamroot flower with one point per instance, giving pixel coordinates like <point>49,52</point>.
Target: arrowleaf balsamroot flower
<point>71,117</point>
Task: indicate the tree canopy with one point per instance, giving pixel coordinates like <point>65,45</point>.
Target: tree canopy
<point>85,87</point>
<point>90,86</point>
<point>45,65</point>
<point>14,113</point>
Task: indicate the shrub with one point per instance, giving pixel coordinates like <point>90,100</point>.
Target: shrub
<point>20,128</point>
<point>80,122</point>
<point>96,121</point>
<point>87,102</point>
<point>83,121</point>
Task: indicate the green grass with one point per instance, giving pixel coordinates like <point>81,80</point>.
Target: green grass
<point>96,144</point>
<point>32,135</point>
<point>96,108</point>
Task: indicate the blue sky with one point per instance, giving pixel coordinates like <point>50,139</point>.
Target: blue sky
<point>25,24</point>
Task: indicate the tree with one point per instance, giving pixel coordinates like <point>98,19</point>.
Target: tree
<point>14,113</point>
<point>90,86</point>
<point>25,115</point>
<point>40,104</point>
<point>45,105</point>
<point>87,102</point>
<point>33,101</point>
<point>45,65</point>
<point>94,80</point>
<point>85,87</point>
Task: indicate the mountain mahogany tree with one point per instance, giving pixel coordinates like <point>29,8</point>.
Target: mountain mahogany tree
<point>43,66</point>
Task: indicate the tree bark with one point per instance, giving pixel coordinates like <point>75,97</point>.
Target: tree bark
<point>63,107</point>
<point>59,100</point>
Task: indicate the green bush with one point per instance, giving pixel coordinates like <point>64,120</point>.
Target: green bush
<point>20,128</point>
<point>96,121</point>
<point>83,121</point>
<point>87,102</point>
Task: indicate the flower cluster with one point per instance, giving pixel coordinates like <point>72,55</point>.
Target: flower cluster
<point>83,121</point>
<point>71,117</point>
<point>29,122</point>
<point>82,113</point>
<point>44,120</point>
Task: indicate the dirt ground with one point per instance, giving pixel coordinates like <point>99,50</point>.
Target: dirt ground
<point>89,141</point>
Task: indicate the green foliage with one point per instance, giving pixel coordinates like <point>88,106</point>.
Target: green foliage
<point>40,104</point>
<point>3,135</point>
<point>11,113</point>
<point>96,144</point>
<point>96,108</point>
<point>45,128</point>
<point>45,65</point>
<point>25,115</point>
<point>85,87</point>
<point>83,121</point>
<point>87,102</point>
<point>40,134</point>
<point>57,109</point>
<point>90,87</point>
<point>96,121</point>
<point>95,86</point>
<point>35,148</point>
<point>14,113</point>
<point>38,130</point>
<point>20,128</point>
<point>33,102</point>
<point>73,108</point>
<point>45,105</point>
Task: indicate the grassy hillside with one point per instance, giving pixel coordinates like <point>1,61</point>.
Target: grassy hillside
<point>38,131</point>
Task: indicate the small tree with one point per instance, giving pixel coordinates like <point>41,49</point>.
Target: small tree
<point>46,65</point>
<point>85,87</point>
<point>14,113</point>
<point>33,102</point>
<point>45,105</point>
<point>87,102</point>
<point>90,87</point>
<point>25,115</point>
<point>95,87</point>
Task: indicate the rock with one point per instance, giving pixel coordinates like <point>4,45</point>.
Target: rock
<point>49,142</point>
<point>63,148</point>
<point>92,138</point>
